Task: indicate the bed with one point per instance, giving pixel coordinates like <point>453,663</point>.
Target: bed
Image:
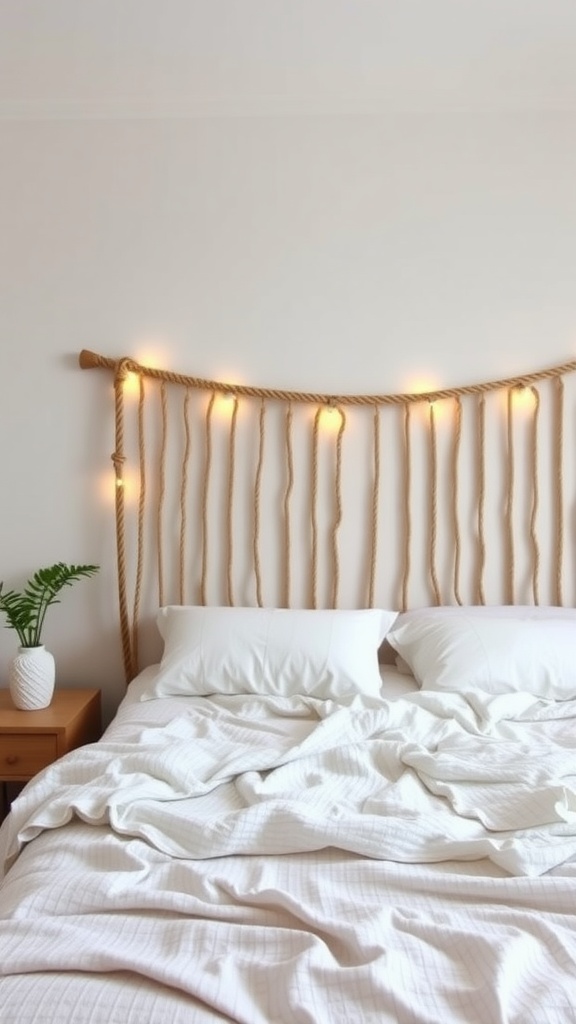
<point>319,813</point>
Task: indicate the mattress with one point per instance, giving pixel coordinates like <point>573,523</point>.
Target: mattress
<point>409,859</point>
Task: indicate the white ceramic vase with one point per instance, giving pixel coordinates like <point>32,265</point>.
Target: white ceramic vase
<point>31,676</point>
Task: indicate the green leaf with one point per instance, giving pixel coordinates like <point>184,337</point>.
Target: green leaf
<point>26,610</point>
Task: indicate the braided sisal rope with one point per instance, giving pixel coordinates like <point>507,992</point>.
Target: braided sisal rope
<point>535,498</point>
<point>433,503</point>
<point>455,481</point>
<point>205,490</point>
<point>118,459</point>
<point>140,527</point>
<point>338,505</point>
<point>481,496</point>
<point>559,449</point>
<point>257,492</point>
<point>162,492</point>
<point>375,503</point>
<point>287,496</point>
<point>313,510</point>
<point>509,505</point>
<point>183,493</point>
<point>408,521</point>
<point>230,503</point>
<point>90,360</point>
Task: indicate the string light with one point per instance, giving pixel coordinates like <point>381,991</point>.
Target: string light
<point>330,418</point>
<point>225,403</point>
<point>131,385</point>
<point>523,398</point>
<point>110,487</point>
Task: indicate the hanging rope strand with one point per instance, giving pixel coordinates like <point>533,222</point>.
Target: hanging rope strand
<point>140,527</point>
<point>257,493</point>
<point>338,504</point>
<point>286,507</point>
<point>313,510</point>
<point>433,503</point>
<point>509,505</point>
<point>162,493</point>
<point>374,508</point>
<point>481,496</point>
<point>118,458</point>
<point>230,503</point>
<point>455,495</point>
<point>535,499</point>
<point>559,466</point>
<point>407,504</point>
<point>184,494</point>
<point>205,495</point>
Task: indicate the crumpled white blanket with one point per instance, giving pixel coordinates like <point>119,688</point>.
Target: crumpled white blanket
<point>426,778</point>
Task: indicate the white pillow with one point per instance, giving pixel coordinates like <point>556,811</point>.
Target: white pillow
<point>489,611</point>
<point>501,653</point>
<point>388,655</point>
<point>277,651</point>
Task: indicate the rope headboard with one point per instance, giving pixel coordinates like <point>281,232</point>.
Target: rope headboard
<point>231,494</point>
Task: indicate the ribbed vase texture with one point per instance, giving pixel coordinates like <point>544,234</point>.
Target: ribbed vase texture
<point>31,676</point>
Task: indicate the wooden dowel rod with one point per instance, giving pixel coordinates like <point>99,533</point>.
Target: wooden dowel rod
<point>90,360</point>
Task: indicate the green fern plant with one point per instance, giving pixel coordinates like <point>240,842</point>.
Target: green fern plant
<point>26,610</point>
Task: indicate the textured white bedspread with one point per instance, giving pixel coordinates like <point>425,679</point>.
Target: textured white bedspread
<point>403,861</point>
<point>427,778</point>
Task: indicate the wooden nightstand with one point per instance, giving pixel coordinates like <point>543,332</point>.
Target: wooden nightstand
<point>30,740</point>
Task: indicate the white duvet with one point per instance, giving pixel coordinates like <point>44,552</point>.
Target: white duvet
<point>294,860</point>
<point>426,778</point>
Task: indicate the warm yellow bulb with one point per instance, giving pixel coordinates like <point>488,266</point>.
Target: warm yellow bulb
<point>330,419</point>
<point>131,384</point>
<point>523,399</point>
<point>224,404</point>
<point>109,486</point>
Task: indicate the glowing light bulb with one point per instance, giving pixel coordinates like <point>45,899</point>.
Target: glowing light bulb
<point>330,419</point>
<point>524,399</point>
<point>131,384</point>
<point>224,405</point>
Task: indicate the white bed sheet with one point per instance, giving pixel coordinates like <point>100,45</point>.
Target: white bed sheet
<point>103,925</point>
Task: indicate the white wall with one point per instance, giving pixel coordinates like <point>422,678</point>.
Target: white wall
<point>332,253</point>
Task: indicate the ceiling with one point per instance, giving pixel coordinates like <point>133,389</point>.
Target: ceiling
<point>182,58</point>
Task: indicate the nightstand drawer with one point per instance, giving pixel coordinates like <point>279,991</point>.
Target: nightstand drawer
<point>24,755</point>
